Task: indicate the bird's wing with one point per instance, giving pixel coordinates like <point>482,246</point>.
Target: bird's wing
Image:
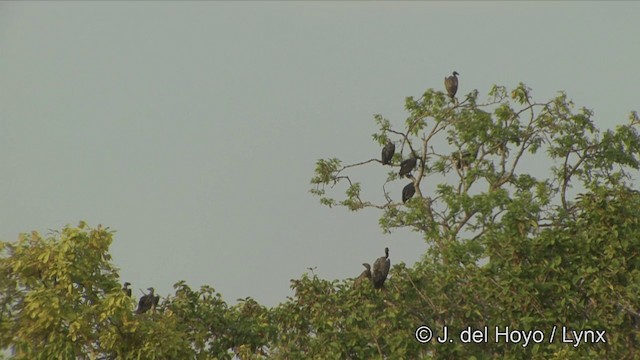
<point>386,267</point>
<point>142,305</point>
<point>451,85</point>
<point>377,269</point>
<point>362,278</point>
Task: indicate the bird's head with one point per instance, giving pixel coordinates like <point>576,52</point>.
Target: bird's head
<point>367,266</point>
<point>386,252</point>
<point>127,284</point>
<point>455,73</point>
<point>150,290</point>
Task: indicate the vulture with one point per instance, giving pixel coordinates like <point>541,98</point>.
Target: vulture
<point>406,166</point>
<point>387,153</point>
<point>147,302</point>
<point>381,269</point>
<point>366,275</point>
<point>464,159</point>
<point>408,192</point>
<point>126,289</point>
<point>451,84</point>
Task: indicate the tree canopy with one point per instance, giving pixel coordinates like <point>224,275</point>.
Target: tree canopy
<point>553,253</point>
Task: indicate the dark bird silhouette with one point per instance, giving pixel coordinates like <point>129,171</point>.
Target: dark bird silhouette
<point>365,276</point>
<point>451,84</point>
<point>381,269</point>
<point>464,159</point>
<point>408,192</point>
<point>406,166</point>
<point>126,289</point>
<point>148,302</point>
<point>387,153</point>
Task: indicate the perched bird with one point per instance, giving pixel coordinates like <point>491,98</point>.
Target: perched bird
<point>126,289</point>
<point>406,166</point>
<point>381,270</point>
<point>387,153</point>
<point>408,192</point>
<point>464,159</point>
<point>366,275</point>
<point>451,84</point>
<point>148,302</point>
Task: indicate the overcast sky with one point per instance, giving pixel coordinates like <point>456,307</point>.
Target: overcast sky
<point>192,128</point>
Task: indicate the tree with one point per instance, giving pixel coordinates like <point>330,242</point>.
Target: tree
<point>507,248</point>
<point>61,299</point>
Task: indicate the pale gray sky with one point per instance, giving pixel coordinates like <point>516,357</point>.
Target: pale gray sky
<point>192,128</point>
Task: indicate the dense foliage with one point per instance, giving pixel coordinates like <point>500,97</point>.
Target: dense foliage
<point>508,248</point>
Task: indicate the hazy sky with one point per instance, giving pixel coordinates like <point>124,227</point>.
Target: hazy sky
<point>193,128</point>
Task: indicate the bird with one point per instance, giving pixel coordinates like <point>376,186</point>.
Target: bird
<point>387,153</point>
<point>366,275</point>
<point>148,302</point>
<point>408,192</point>
<point>126,289</point>
<point>406,166</point>
<point>451,84</point>
<point>381,269</point>
<point>465,158</point>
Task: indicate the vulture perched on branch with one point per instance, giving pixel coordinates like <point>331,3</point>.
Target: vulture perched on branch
<point>408,192</point>
<point>407,166</point>
<point>148,302</point>
<point>451,84</point>
<point>381,269</point>
<point>126,289</point>
<point>465,158</point>
<point>365,276</point>
<point>387,153</point>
